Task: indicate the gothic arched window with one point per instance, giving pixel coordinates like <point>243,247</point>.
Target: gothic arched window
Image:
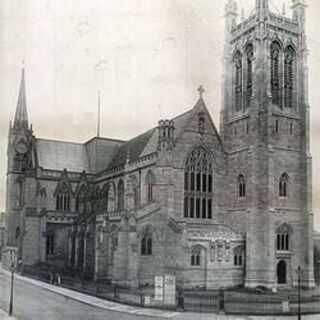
<point>136,191</point>
<point>63,198</point>
<point>238,81</point>
<point>111,197</point>
<point>81,199</point>
<point>241,186</point>
<point>104,197</point>
<point>249,75</point>
<point>43,198</point>
<point>283,238</point>
<point>275,74</point>
<point>50,244</point>
<point>18,193</point>
<point>97,198</point>
<point>289,64</point>
<point>238,258</point>
<point>283,185</point>
<point>198,185</point>
<point>195,256</point>
<point>120,195</point>
<point>150,181</point>
<point>146,242</point>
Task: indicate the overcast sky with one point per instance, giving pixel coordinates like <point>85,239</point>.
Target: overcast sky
<point>146,57</point>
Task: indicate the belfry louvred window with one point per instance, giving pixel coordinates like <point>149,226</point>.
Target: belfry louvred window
<point>275,76</point>
<point>238,81</point>
<point>198,185</point>
<point>249,75</point>
<point>289,63</point>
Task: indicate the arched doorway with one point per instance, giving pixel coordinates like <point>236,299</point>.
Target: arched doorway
<point>282,272</point>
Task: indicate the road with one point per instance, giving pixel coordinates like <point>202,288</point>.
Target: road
<point>34,303</point>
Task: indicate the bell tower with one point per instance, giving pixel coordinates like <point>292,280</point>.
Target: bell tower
<point>19,163</point>
<point>265,129</point>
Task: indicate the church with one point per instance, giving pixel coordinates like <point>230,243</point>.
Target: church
<point>215,208</point>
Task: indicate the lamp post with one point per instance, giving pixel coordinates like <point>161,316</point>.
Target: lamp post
<point>299,272</point>
<point>11,294</point>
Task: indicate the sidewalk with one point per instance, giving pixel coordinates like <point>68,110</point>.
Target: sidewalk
<point>153,313</point>
<point>4,315</point>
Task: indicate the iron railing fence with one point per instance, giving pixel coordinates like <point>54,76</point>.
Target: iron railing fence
<point>231,302</point>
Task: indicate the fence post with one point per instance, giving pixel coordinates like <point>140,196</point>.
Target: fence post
<point>97,291</point>
<point>141,296</point>
<point>115,291</point>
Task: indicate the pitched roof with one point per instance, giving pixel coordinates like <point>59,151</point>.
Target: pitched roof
<point>133,148</point>
<point>145,143</point>
<point>58,155</point>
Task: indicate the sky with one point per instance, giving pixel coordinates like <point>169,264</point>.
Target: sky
<point>146,57</point>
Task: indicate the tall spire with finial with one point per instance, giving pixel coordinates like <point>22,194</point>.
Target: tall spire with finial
<point>99,115</point>
<point>21,115</point>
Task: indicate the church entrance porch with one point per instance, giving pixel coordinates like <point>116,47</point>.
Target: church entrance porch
<point>216,256</point>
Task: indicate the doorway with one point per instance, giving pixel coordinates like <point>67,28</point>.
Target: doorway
<point>282,272</point>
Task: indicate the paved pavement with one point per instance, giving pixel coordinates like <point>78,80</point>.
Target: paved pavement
<point>37,300</point>
<point>4,316</point>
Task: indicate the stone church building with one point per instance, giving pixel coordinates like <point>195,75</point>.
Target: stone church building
<point>214,208</point>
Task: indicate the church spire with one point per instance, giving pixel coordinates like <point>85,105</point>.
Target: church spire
<point>21,115</point>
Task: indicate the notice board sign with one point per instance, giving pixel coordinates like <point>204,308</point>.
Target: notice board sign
<point>169,290</point>
<point>158,288</point>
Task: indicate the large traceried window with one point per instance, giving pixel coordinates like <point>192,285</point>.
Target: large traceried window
<point>283,238</point>
<point>289,67</point>
<point>275,73</point>
<point>146,242</point>
<point>198,185</point>
<point>249,75</point>
<point>238,81</point>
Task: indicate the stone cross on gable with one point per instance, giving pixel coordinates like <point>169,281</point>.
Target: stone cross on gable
<point>201,91</point>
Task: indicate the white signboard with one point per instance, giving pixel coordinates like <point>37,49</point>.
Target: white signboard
<point>169,289</point>
<point>158,288</point>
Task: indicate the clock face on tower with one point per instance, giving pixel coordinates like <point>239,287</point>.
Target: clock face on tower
<point>21,147</point>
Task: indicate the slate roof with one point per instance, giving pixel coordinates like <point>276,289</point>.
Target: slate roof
<point>58,155</point>
<point>135,148</point>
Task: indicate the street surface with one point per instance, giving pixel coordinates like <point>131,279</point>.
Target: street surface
<point>32,301</point>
